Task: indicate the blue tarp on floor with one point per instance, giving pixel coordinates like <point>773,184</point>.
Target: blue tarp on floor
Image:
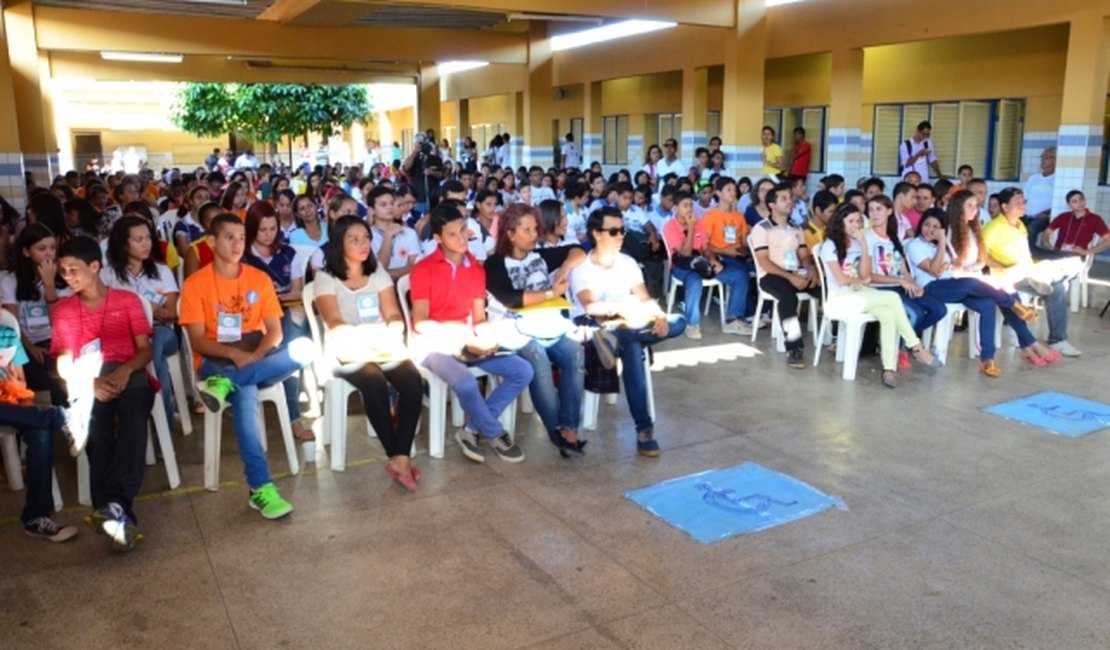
<point>1062,414</point>
<point>717,504</point>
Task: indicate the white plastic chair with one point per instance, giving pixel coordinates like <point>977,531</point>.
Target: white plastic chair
<point>591,401</point>
<point>438,390</point>
<point>777,333</point>
<point>336,391</point>
<point>213,425</point>
<point>708,285</point>
<point>852,323</point>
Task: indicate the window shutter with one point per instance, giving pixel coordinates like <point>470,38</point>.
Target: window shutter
<point>1007,139</point>
<point>975,126</point>
<point>622,140</point>
<point>886,138</point>
<point>945,119</point>
<point>813,120</point>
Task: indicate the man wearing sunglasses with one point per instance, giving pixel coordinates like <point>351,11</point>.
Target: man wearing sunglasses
<point>608,289</point>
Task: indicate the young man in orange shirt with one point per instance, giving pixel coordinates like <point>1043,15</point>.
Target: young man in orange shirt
<point>233,319</point>
<point>728,232</point>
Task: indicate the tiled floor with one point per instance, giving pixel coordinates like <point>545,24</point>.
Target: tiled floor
<point>963,530</point>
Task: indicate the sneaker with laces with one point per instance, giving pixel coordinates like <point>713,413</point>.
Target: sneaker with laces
<point>213,392</point>
<point>269,503</point>
<point>693,332</point>
<point>471,444</point>
<point>738,327</point>
<point>1065,348</point>
<point>795,358</point>
<point>607,347</point>
<point>123,532</point>
<point>506,449</point>
<point>646,444</point>
<point>46,528</point>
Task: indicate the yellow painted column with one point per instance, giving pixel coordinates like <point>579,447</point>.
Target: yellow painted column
<point>591,122</point>
<point>1079,142</point>
<point>516,145</point>
<point>428,100</point>
<point>539,100</point>
<point>35,132</point>
<point>11,158</point>
<point>695,106</point>
<point>462,121</point>
<point>846,155</point>
<point>745,49</point>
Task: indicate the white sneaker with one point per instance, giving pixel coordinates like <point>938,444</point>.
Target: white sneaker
<point>738,327</point>
<point>764,320</point>
<point>693,332</point>
<point>1065,348</point>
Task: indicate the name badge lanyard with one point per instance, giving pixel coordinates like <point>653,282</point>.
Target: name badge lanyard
<point>89,346</point>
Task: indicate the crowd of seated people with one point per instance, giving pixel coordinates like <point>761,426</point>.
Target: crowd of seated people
<point>520,279</point>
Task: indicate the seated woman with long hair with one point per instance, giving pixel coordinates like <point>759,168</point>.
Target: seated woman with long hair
<point>357,302</point>
<point>848,275</point>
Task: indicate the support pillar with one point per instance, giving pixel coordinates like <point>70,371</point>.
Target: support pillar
<point>12,187</point>
<point>591,122</point>
<point>516,146</point>
<point>846,155</point>
<point>428,101</point>
<point>462,119</point>
<point>695,107</point>
<point>1079,143</point>
<point>745,54</point>
<point>35,131</point>
<point>538,100</point>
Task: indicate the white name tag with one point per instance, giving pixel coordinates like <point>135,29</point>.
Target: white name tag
<point>229,328</point>
<point>368,310</point>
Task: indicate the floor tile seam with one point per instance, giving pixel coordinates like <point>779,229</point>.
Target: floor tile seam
<point>215,575</point>
<point>618,619</point>
<point>1024,553</point>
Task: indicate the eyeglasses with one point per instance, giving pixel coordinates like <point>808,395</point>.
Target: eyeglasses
<point>617,231</point>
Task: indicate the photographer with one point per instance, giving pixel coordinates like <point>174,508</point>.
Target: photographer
<point>425,168</point>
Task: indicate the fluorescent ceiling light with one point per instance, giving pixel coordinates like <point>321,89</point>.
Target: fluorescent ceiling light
<point>607,33</point>
<point>447,67</point>
<point>775,3</point>
<point>144,57</point>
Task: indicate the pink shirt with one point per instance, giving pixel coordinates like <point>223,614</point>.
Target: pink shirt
<point>116,322</point>
<point>674,235</point>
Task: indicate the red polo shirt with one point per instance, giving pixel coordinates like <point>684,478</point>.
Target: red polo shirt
<point>450,290</point>
<point>1078,232</point>
<point>116,322</point>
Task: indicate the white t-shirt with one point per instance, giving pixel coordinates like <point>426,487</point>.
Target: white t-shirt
<point>356,306</point>
<point>921,165</point>
<point>885,260</point>
<point>676,166</point>
<point>918,250</point>
<point>850,265</point>
<point>33,315</point>
<point>613,284</point>
<point>405,243</point>
<point>576,222</point>
<point>150,289</point>
<point>572,155</point>
<point>480,247</point>
<point>1038,193</point>
<point>636,220</point>
<point>542,193</point>
<point>800,214</point>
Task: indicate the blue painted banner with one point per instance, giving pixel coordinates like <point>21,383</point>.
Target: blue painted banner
<point>1059,413</point>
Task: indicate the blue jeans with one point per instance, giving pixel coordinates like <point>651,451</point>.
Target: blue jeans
<point>1056,308</point>
<point>632,342</point>
<point>691,290</point>
<point>274,367</point>
<point>923,312</point>
<point>36,427</point>
<point>981,298</point>
<point>481,412</point>
<point>562,407</point>
<point>164,343</point>
<point>736,276</point>
<point>291,329</point>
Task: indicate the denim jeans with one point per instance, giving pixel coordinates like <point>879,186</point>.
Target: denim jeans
<point>117,446</point>
<point>632,342</point>
<point>691,291</point>
<point>981,298</point>
<point>271,369</point>
<point>1056,308</point>
<point>291,329</point>
<point>562,407</point>
<point>923,312</point>
<point>736,276</point>
<point>514,373</point>
<point>164,343</point>
<point>36,427</point>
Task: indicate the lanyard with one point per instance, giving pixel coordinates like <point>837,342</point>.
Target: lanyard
<point>103,316</point>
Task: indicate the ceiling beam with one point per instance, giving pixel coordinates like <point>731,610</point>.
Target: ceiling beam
<point>82,30</point>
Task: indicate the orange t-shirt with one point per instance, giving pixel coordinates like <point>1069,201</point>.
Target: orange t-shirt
<point>725,229</point>
<point>206,293</point>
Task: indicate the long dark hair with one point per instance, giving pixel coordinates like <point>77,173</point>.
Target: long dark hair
<point>334,261</point>
<point>891,221</point>
<point>117,247</point>
<point>26,275</point>
<point>88,219</point>
<point>834,231</point>
<point>50,212</point>
<point>227,199</point>
<point>958,226</point>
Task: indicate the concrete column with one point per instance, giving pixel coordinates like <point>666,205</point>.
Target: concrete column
<point>846,156</point>
<point>1079,143</point>
<point>428,101</point>
<point>516,147</point>
<point>462,119</point>
<point>35,131</point>
<point>745,49</point>
<point>591,123</point>
<point>695,106</point>
<point>11,158</point>
<point>538,100</point>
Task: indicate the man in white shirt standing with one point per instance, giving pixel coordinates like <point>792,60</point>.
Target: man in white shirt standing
<point>503,154</point>
<point>571,154</point>
<point>917,154</point>
<point>1038,196</point>
<point>670,162</point>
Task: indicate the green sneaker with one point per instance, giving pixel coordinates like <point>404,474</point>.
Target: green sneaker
<point>267,501</point>
<point>214,391</point>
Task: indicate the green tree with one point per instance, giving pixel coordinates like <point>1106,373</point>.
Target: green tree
<point>268,112</point>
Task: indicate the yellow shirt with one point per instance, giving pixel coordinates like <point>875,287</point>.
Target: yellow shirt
<point>1005,243</point>
<point>814,233</point>
<point>772,152</point>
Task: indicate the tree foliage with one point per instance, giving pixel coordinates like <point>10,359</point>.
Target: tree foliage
<point>268,112</point>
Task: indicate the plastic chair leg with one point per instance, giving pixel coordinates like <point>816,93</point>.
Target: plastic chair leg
<point>590,403</point>
<point>84,490</point>
<point>335,419</point>
<point>212,425</point>
<point>56,491</point>
<point>165,443</point>
<point>851,349</point>
<point>180,395</point>
<point>9,447</point>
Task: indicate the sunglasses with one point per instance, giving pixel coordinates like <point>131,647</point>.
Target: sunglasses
<point>617,231</point>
